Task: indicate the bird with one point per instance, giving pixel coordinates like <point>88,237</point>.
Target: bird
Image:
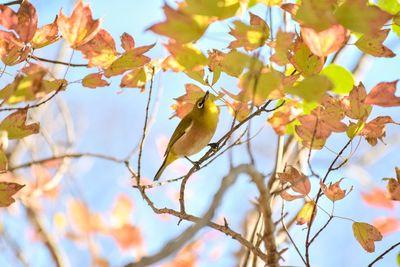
<point>193,132</point>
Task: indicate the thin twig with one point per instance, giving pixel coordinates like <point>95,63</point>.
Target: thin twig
<point>383,254</point>
<point>57,62</point>
<point>18,2</point>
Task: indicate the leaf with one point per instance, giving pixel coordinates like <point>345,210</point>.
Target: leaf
<point>372,44</point>
<point>375,129</point>
<point>366,235</point>
<point>307,213</point>
<point>134,79</point>
<point>250,37</point>
<point>383,94</point>
<point>127,41</point>
<point>100,50</point>
<point>325,42</point>
<point>127,236</point>
<point>129,60</point>
<point>7,190</point>
<point>81,217</point>
<point>377,198</point>
<point>304,60</point>
<point>186,57</point>
<point>8,17</point>
<point>122,210</point>
<point>94,80</point>
<point>27,21</point>
<point>3,158</point>
<point>80,27</point>
<point>185,102</point>
<point>15,125</point>
<point>232,63</point>
<point>333,191</point>
<point>387,225</point>
<point>316,14</point>
<point>393,188</point>
<point>12,50</point>
<point>219,9</point>
<point>283,116</point>
<point>45,35</point>
<point>354,105</point>
<point>181,27</point>
<point>359,16</point>
<point>312,88</point>
<point>298,181</point>
<point>341,78</point>
<point>390,6</point>
<point>282,45</point>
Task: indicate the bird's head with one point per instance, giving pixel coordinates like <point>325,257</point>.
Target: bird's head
<point>205,104</point>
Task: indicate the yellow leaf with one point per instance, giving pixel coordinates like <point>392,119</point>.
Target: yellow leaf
<point>307,213</point>
<point>366,235</point>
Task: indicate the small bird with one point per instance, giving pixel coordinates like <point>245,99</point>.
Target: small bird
<point>193,132</point>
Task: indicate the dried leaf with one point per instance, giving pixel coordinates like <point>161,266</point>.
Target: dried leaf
<point>298,181</point>
<point>333,191</point>
<point>45,35</point>
<point>316,14</point>
<point>393,188</point>
<point>375,129</point>
<point>134,79</point>
<point>94,80</point>
<point>7,190</point>
<point>283,116</point>
<point>15,125</point>
<point>366,235</point>
<point>372,44</point>
<point>354,105</point>
<point>8,17</point>
<point>127,236</point>
<point>127,41</point>
<point>282,45</point>
<point>184,103</point>
<point>383,94</point>
<point>27,21</point>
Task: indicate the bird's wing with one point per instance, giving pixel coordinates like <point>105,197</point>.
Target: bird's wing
<point>183,126</point>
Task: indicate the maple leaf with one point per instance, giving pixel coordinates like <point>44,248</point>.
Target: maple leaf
<point>333,191</point>
<point>299,183</point>
<point>100,50</point>
<point>83,219</point>
<point>359,16</point>
<point>387,225</point>
<point>304,60</point>
<point>283,116</point>
<point>307,213</point>
<point>80,27</point>
<point>186,57</point>
<point>372,44</point>
<point>122,210</point>
<point>316,14</point>
<point>129,60</point>
<point>134,79</point>
<point>8,17</point>
<point>341,78</point>
<point>375,129</point>
<point>251,36</point>
<point>27,21</point>
<point>238,109</point>
<point>45,35</point>
<point>393,186</point>
<point>383,94</point>
<point>232,63</point>
<point>366,235</point>
<point>14,125</point>
<point>377,198</point>
<point>325,42</point>
<point>354,105</point>
<point>127,41</point>
<point>283,44</point>
<point>94,80</point>
<point>182,27</point>
<point>127,236</point>
<point>185,103</point>
<point>7,190</point>
<point>312,88</point>
<point>12,50</point>
<point>211,8</point>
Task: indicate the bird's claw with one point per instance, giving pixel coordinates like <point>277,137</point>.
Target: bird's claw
<point>214,146</point>
<point>196,164</point>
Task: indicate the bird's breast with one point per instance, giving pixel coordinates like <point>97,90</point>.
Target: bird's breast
<point>194,140</point>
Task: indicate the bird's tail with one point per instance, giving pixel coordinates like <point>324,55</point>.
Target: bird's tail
<point>168,160</point>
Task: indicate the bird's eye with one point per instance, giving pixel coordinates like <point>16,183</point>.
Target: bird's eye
<point>200,104</point>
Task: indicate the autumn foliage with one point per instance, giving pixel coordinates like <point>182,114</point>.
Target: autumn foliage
<point>279,58</point>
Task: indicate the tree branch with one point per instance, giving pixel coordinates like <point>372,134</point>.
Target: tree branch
<point>383,254</point>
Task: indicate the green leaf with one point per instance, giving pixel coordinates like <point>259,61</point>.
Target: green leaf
<point>221,9</point>
<point>316,14</point>
<point>372,44</point>
<point>341,78</point>
<point>390,6</point>
<point>305,61</point>
<point>14,125</point>
<point>3,161</point>
<point>7,190</point>
<point>311,88</point>
<point>355,129</point>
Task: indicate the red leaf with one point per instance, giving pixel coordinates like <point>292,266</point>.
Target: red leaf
<point>27,21</point>
<point>377,198</point>
<point>383,94</point>
<point>127,41</point>
<point>8,18</point>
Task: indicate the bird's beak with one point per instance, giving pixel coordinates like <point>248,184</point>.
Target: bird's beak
<point>205,97</point>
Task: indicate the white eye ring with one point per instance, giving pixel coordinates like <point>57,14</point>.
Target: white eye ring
<point>200,105</point>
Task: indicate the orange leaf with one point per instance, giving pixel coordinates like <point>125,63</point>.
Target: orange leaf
<point>134,79</point>
<point>82,218</point>
<point>307,213</point>
<point>383,94</point>
<point>325,42</point>
<point>283,116</point>
<point>375,129</point>
<point>366,235</point>
<point>16,127</point>
<point>333,191</point>
<point>8,17</point>
<point>122,210</point>
<point>80,27</point>
<point>184,103</point>
<point>354,105</point>
<point>393,187</point>
<point>377,198</point>
<point>27,21</point>
<point>127,41</point>
<point>45,35</point>
<point>7,190</point>
<point>298,181</point>
<point>100,50</point>
<point>94,80</point>
<point>372,44</point>
<point>12,50</point>
<point>387,225</point>
<point>127,236</point>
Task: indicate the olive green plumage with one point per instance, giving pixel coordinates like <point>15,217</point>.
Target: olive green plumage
<point>193,132</point>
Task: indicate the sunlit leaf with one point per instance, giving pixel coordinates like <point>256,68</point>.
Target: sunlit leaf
<point>127,41</point>
<point>27,21</point>
<point>383,94</point>
<point>304,60</point>
<point>312,88</point>
<point>366,235</point>
<point>316,14</point>
<point>8,17</point>
<point>375,129</point>
<point>15,125</point>
<point>127,236</point>
<point>94,80</point>
<point>333,191</point>
<point>221,9</point>
<point>7,190</point>
<point>390,6</point>
<point>283,116</point>
<point>184,103</point>
<point>45,35</point>
<point>354,105</point>
<point>134,79</point>
<point>282,45</point>
<point>307,213</point>
<point>387,225</point>
<point>80,27</point>
<point>341,78</point>
<point>372,44</point>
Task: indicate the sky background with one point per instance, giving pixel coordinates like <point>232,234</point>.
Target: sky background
<point>109,121</point>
